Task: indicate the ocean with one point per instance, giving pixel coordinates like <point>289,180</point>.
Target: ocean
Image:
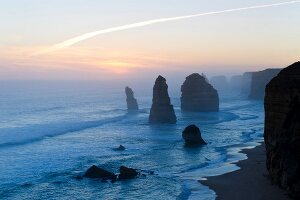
<point>52,132</point>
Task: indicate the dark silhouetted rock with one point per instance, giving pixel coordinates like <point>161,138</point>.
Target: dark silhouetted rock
<point>161,111</point>
<point>192,136</point>
<point>246,83</point>
<point>97,172</point>
<point>131,101</point>
<point>219,82</point>
<point>259,81</point>
<point>128,173</point>
<point>282,128</point>
<point>197,95</point>
<point>120,148</point>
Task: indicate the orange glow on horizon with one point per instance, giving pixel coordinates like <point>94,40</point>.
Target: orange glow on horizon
<point>107,62</point>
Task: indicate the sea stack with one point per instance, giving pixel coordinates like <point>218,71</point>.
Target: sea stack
<point>219,82</point>
<point>235,83</point>
<point>197,95</point>
<point>131,101</point>
<point>259,81</point>
<point>161,111</point>
<point>282,129</point>
<point>192,136</point>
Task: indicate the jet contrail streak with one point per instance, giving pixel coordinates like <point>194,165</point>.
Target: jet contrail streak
<point>86,36</point>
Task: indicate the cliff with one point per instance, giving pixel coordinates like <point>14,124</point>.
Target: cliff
<point>161,111</point>
<point>246,83</point>
<point>259,81</point>
<point>197,95</point>
<point>282,129</point>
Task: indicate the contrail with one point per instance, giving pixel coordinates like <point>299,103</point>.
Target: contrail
<point>86,36</point>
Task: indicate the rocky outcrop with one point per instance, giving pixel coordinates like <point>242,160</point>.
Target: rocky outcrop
<point>161,111</point>
<point>131,101</point>
<point>259,81</point>
<point>219,82</point>
<point>235,83</point>
<point>282,128</point>
<point>120,148</point>
<point>246,83</point>
<point>197,95</point>
<point>192,136</point>
<point>128,173</point>
<point>97,172</point>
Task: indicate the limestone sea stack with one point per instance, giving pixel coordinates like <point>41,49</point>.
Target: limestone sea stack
<point>197,95</point>
<point>192,136</point>
<point>219,82</point>
<point>131,101</point>
<point>235,83</point>
<point>161,111</point>
<point>282,129</point>
<point>259,81</point>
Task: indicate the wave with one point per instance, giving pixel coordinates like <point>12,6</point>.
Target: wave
<point>239,107</point>
<point>205,118</point>
<point>37,132</point>
<point>185,193</point>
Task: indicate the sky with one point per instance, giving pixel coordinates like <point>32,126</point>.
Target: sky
<point>226,43</point>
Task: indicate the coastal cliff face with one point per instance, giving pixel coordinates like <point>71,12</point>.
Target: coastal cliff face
<point>161,111</point>
<point>198,95</point>
<point>259,81</point>
<point>131,101</point>
<point>246,83</point>
<point>282,128</point>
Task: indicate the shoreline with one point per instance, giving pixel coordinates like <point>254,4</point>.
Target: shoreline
<point>250,182</point>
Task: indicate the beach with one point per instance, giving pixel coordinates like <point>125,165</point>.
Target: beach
<point>249,182</point>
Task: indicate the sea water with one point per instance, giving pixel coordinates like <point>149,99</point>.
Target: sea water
<point>51,132</point>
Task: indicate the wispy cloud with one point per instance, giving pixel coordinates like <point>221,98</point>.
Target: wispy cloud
<point>89,35</point>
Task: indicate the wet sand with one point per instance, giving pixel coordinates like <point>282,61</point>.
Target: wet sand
<point>248,183</point>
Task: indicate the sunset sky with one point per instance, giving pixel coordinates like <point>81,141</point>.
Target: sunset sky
<point>228,43</point>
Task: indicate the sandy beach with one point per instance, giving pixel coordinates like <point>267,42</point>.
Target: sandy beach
<point>248,183</point>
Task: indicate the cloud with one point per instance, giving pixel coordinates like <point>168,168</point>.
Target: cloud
<point>89,35</point>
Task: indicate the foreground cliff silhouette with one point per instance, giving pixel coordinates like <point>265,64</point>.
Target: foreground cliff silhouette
<point>161,111</point>
<point>198,95</point>
<point>282,129</point>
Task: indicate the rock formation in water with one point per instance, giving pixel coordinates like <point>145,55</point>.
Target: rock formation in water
<point>235,83</point>
<point>192,136</point>
<point>246,83</point>
<point>259,81</point>
<point>131,101</point>
<point>120,148</point>
<point>219,82</point>
<point>127,173</point>
<point>97,172</point>
<point>161,111</point>
<point>197,95</point>
<point>282,128</point>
